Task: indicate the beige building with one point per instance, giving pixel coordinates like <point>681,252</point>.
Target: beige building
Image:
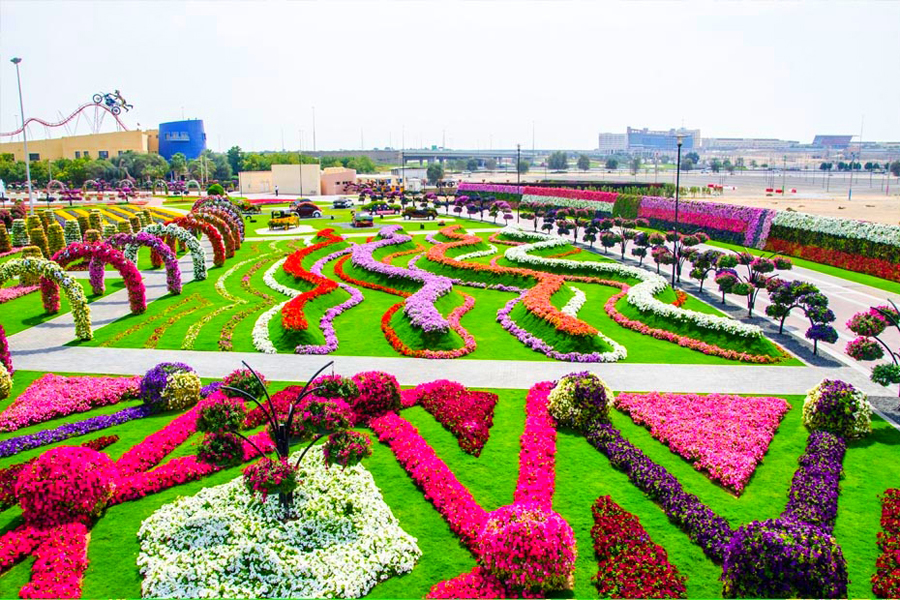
<point>98,145</point>
<point>296,180</point>
<point>333,180</point>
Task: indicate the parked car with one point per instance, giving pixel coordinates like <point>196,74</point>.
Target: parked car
<point>306,210</point>
<point>362,219</point>
<point>342,203</point>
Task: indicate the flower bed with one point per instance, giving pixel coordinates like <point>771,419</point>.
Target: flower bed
<point>630,564</point>
<point>537,457</point>
<point>726,436</point>
<point>16,291</point>
<point>469,343</point>
<point>708,530</point>
<point>859,263</point>
<point>886,580</point>
<point>813,497</point>
<point>731,223</point>
<point>327,554</point>
<point>54,396</point>
<point>466,414</point>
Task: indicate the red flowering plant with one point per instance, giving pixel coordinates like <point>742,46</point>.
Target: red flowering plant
<point>244,380</point>
<point>295,414</point>
<point>758,276</point>
<point>869,326</point>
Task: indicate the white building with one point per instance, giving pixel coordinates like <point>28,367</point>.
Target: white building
<point>611,143</point>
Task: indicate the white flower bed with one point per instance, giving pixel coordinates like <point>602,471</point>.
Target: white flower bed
<point>260,333</point>
<point>222,543</point>
<point>575,302</point>
<point>848,228</point>
<point>269,280</point>
<point>641,296</point>
<point>492,249</point>
<point>605,207</point>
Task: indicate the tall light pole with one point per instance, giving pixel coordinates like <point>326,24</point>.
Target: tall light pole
<point>314,128</point>
<point>300,158</point>
<point>518,161</point>
<point>783,174</point>
<point>16,62</point>
<point>680,141</point>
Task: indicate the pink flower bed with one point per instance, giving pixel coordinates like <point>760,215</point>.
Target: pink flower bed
<point>16,291</point>
<point>60,559</point>
<point>571,194</point>
<point>54,396</point>
<point>537,458</point>
<point>441,487</point>
<point>477,583</point>
<point>723,435</point>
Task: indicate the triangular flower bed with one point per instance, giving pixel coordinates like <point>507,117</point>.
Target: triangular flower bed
<point>724,436</point>
<point>468,415</point>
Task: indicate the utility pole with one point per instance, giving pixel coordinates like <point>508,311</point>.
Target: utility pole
<point>783,174</point>
<point>16,62</point>
<point>518,160</point>
<point>680,140</point>
<point>314,128</point>
<point>300,156</point>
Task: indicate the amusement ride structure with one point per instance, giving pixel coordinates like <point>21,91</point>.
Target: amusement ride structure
<point>91,114</point>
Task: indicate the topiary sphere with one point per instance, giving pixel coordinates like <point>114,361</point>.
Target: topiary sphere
<point>170,386</point>
<point>65,484</point>
<point>379,393</point>
<point>838,408</point>
<point>580,399</point>
<point>5,382</point>
<point>527,547</point>
<point>783,559</point>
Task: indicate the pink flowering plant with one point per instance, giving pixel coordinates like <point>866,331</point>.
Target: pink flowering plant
<point>267,476</point>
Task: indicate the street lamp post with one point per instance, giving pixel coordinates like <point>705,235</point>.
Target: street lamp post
<point>680,141</point>
<point>783,173</point>
<point>16,62</point>
<point>518,162</point>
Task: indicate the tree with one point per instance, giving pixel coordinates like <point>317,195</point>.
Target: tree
<point>236,159</point>
<point>826,166</point>
<point>471,165</point>
<point>757,278</point>
<point>435,172</point>
<point>490,164</point>
<point>558,161</point>
<point>612,164</point>
<point>524,165</point>
<point>584,162</point>
<point>178,164</point>
<point>635,165</point>
<point>752,164</point>
<point>715,165</point>
<point>693,157</point>
<point>702,264</point>
<point>869,325</point>
<point>895,168</point>
<point>687,164</point>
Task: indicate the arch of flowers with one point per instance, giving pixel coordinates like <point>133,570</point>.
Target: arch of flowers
<point>101,254</point>
<point>230,238</point>
<point>172,231</point>
<point>129,243</point>
<point>197,227</point>
<point>222,204</point>
<point>236,225</point>
<point>52,278</point>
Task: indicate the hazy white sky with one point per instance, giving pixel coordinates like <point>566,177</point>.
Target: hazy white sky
<point>479,73</point>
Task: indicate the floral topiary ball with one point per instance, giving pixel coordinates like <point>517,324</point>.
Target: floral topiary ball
<point>838,408</point>
<point>527,547</point>
<point>379,393</point>
<point>783,559</point>
<point>580,399</point>
<point>65,484</point>
<point>170,386</point>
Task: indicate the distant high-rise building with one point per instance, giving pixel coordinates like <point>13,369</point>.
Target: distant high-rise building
<point>611,143</point>
<point>834,142</point>
<point>645,140</point>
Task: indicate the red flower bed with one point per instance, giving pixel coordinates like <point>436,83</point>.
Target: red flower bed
<point>630,564</point>
<point>495,238</point>
<point>339,271</point>
<point>468,415</point>
<point>852,262</point>
<point>571,194</point>
<point>292,313</point>
<point>453,318</point>
<point>886,580</point>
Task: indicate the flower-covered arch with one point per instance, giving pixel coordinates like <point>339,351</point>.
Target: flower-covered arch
<point>129,243</point>
<point>196,226</point>
<point>198,255</point>
<point>236,225</point>
<point>228,235</point>
<point>159,183</point>
<point>52,277</point>
<point>222,204</point>
<point>101,254</point>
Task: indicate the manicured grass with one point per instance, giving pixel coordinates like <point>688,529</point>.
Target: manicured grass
<point>28,311</point>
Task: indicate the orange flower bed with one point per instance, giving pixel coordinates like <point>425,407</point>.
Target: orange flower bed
<point>292,313</point>
<point>390,257</point>
<point>565,254</point>
<point>495,238</point>
<point>454,317</point>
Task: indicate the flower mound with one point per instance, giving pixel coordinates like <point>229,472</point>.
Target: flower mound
<point>379,393</point>
<point>783,559</point>
<point>468,415</point>
<point>221,543</point>
<point>54,396</point>
<point>630,564</point>
<point>580,399</point>
<point>169,386</point>
<point>839,408</point>
<point>725,436</point>
<point>525,546</point>
<point>64,485</point>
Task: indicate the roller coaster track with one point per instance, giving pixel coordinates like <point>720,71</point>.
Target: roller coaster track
<point>66,120</point>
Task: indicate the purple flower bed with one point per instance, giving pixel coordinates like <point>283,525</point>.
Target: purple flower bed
<point>737,224</point>
<point>21,443</point>
<point>708,530</point>
<point>327,321</point>
<point>419,307</point>
<point>813,497</point>
<point>489,188</point>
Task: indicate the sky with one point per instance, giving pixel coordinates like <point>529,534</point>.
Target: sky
<point>464,74</point>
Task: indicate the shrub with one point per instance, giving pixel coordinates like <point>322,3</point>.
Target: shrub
<point>838,408</point>
<point>783,559</point>
<point>72,232</point>
<point>170,386</point>
<point>215,190</point>
<point>267,476</point>
<point>335,386</point>
<point>94,220</point>
<point>224,449</point>
<point>220,412</point>
<point>244,380</point>
<point>5,240</point>
<point>136,224</point>
<point>124,227</point>
<point>5,382</point>
<point>109,230</point>
<point>65,484</point>
<point>30,278</point>
<point>524,546</point>
<point>91,236</point>
<point>19,233</point>
<point>379,393</point>
<point>347,448</point>
<point>56,238</point>
<point>83,223</point>
<point>38,239</point>
<point>580,400</point>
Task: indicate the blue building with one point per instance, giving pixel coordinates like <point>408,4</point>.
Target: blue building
<point>187,137</point>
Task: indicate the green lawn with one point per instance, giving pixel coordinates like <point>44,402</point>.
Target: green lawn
<point>582,474</point>
<point>28,311</point>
